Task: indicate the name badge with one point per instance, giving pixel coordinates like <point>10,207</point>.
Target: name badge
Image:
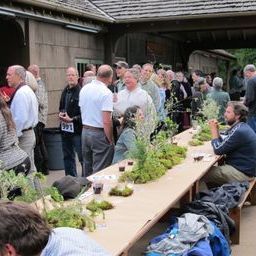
<point>67,127</point>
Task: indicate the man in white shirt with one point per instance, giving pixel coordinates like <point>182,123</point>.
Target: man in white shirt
<point>96,103</point>
<point>134,95</point>
<point>24,108</point>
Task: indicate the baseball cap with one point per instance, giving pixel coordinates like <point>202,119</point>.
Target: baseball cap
<point>122,64</point>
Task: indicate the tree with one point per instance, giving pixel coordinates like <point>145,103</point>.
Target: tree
<point>244,56</point>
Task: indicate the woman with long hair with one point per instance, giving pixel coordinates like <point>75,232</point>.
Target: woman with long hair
<point>11,155</point>
<point>127,137</point>
<point>163,85</point>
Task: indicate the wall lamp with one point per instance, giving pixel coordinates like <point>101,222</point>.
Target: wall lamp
<point>85,29</point>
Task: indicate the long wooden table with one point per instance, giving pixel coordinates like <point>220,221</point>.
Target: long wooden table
<point>134,216</point>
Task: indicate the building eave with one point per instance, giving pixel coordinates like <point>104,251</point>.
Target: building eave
<point>74,11</point>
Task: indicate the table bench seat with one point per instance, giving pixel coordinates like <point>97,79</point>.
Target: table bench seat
<point>235,213</point>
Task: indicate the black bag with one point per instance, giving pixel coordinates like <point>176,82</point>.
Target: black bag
<point>69,186</point>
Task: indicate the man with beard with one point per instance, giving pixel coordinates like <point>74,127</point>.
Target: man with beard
<point>238,144</point>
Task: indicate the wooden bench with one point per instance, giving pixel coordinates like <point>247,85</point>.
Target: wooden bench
<point>235,213</point>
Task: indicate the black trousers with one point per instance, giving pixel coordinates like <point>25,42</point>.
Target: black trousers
<point>41,156</point>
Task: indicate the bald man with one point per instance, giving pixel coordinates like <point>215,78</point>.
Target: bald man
<point>70,122</point>
<point>96,105</point>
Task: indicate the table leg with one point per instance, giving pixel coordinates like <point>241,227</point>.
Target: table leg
<point>187,198</point>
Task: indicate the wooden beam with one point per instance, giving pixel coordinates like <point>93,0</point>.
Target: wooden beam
<point>187,25</point>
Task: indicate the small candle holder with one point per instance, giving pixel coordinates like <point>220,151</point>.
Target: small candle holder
<point>121,166</point>
<point>130,162</point>
<point>97,188</point>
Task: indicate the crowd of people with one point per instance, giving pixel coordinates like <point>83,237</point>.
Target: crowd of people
<point>98,118</point>
<point>98,113</point>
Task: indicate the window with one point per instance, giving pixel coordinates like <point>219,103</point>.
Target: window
<point>81,64</point>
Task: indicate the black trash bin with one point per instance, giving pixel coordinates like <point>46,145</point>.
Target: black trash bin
<point>52,139</point>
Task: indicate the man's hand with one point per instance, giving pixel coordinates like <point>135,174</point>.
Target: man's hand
<point>214,127</point>
<point>65,117</point>
<point>213,123</point>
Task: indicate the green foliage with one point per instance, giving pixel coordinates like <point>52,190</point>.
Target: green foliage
<point>244,56</point>
<point>171,128</point>
<point>115,191</point>
<point>9,181</point>
<point>204,134</point>
<point>54,193</point>
<point>151,170</point>
<point>94,205</point>
<point>69,216</point>
<point>210,109</point>
<point>153,160</point>
<point>195,142</point>
<point>139,152</point>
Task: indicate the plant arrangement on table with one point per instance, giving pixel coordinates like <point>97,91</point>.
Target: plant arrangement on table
<point>125,192</point>
<point>210,110</point>
<point>72,216</point>
<point>29,189</point>
<point>22,188</point>
<point>203,135</point>
<point>95,206</point>
<point>153,159</point>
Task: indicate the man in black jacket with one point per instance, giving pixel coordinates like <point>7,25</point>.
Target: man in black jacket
<point>70,122</point>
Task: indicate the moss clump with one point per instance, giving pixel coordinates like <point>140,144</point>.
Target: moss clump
<point>167,163</point>
<point>152,169</point>
<point>195,142</point>
<point>70,216</point>
<point>202,136</point>
<point>121,192</point>
<point>94,206</point>
<point>153,160</point>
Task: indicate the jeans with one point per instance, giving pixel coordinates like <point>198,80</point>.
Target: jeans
<point>70,145</point>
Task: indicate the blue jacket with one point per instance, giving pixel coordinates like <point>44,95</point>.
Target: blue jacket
<point>218,242</point>
<point>216,245</point>
<point>239,146</point>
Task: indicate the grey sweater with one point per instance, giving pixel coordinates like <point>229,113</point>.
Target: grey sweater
<point>11,154</point>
